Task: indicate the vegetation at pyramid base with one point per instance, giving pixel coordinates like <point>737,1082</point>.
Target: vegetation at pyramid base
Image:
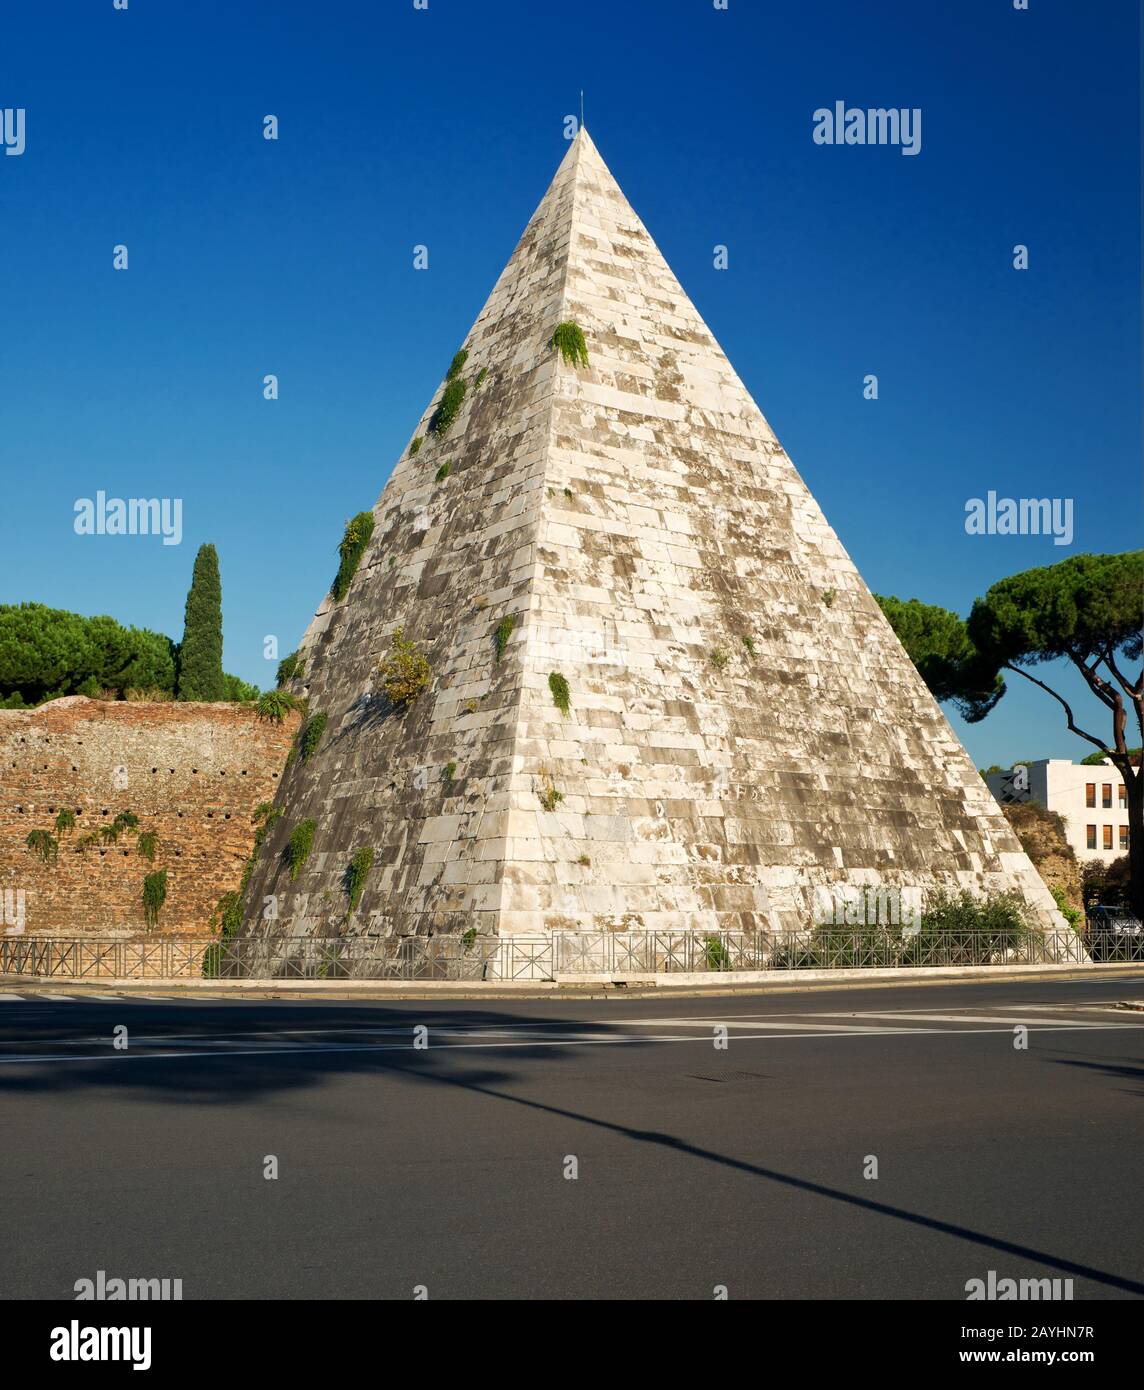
<point>357,533</point>
<point>154,896</point>
<point>457,366</point>
<point>274,705</point>
<point>226,920</point>
<point>1087,611</point>
<point>301,843</point>
<point>356,874</point>
<point>503,633</point>
<point>568,339</point>
<point>201,676</point>
<point>290,668</point>
<point>312,735</point>
<point>448,407</point>
<point>44,844</point>
<point>404,672</point>
<point>954,928</point>
<point>561,695</point>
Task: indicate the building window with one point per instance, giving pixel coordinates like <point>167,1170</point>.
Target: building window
<point>1107,836</point>
<point>1106,796</point>
<point>1090,836</point>
<point>1122,796</point>
<point>1123,837</point>
<point>1090,793</point>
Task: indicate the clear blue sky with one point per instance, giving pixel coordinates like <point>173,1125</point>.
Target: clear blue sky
<point>444,127</point>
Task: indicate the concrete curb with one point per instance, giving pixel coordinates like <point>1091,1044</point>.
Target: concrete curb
<point>683,984</point>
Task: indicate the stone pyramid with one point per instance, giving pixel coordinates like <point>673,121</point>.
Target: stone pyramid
<point>743,727</point>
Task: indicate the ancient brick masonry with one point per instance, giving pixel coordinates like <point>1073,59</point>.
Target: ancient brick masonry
<point>191,772</point>
<point>744,729</point>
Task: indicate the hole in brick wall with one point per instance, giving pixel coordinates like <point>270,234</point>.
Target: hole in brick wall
<point>105,812</point>
<point>180,815</point>
<point>194,770</point>
<point>74,768</point>
<point>20,809</point>
<point>227,816</point>
<point>210,815</point>
<point>154,769</point>
<point>274,775</point>
<point>242,773</point>
<point>125,854</point>
<point>178,854</point>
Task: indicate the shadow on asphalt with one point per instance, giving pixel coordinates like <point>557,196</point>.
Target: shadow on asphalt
<point>1112,1069</point>
<point>198,1080</point>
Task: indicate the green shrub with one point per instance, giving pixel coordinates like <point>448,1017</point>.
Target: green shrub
<point>352,548</point>
<point>457,366</point>
<point>356,874</point>
<point>148,845</point>
<point>123,821</point>
<point>561,695</point>
<point>312,734</point>
<point>469,938</point>
<point>43,843</point>
<point>448,407</point>
<point>749,643</point>
<point>1072,915</point>
<point>568,338</point>
<point>550,798</point>
<point>503,633</point>
<point>719,658</point>
<point>154,896</point>
<point>718,957</point>
<point>275,705</point>
<point>226,921</point>
<point>415,447</point>
<point>449,771</point>
<point>88,841</point>
<point>405,672</point>
<point>301,843</point>
<point>289,668</point>
<point>480,378</point>
<point>65,821</point>
<point>443,471</point>
<point>828,598</point>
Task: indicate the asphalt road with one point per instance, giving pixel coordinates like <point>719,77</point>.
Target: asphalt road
<point>445,1166</point>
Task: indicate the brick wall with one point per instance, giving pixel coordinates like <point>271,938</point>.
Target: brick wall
<point>191,772</point>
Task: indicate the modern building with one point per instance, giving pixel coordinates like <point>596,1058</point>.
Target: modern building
<point>1090,798</point>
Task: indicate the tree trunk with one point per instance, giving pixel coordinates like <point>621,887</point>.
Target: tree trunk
<point>1135,789</point>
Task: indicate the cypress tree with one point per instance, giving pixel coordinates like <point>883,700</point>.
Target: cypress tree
<point>200,656</point>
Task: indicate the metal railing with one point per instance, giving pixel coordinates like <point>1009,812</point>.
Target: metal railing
<point>557,955</point>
